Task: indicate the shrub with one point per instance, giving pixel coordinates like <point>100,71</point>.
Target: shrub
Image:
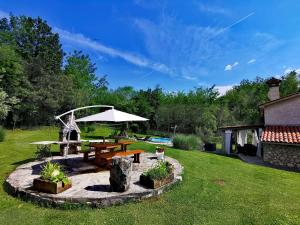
<point>2,134</point>
<point>134,128</point>
<point>82,127</point>
<point>159,172</point>
<point>53,172</point>
<point>90,128</point>
<point>159,133</point>
<point>43,151</point>
<point>186,142</point>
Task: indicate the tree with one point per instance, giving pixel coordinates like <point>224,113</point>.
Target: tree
<point>11,72</point>
<point>85,84</point>
<point>42,55</point>
<point>5,104</point>
<point>243,101</point>
<point>147,104</point>
<point>289,84</point>
<point>13,82</point>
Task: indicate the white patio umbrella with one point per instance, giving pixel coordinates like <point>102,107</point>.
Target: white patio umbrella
<point>111,115</point>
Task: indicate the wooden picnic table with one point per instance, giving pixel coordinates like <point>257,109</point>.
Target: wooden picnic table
<point>105,159</point>
<point>124,144</point>
<point>100,150</point>
<point>101,147</point>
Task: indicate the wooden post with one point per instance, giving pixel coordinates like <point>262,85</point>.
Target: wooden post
<point>259,146</point>
<point>227,141</point>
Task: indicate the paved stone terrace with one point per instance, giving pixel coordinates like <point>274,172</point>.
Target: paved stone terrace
<point>91,188</point>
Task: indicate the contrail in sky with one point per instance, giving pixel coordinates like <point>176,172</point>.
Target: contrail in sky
<point>233,24</point>
<point>239,21</point>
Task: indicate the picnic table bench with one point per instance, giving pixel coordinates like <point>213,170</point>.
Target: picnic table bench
<point>102,148</point>
<point>106,158</point>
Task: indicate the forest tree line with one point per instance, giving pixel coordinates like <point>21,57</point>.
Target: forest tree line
<point>38,80</point>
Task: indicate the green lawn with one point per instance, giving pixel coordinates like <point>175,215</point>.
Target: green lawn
<point>215,190</point>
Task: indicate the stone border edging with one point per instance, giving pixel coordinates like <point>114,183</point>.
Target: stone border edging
<point>44,199</point>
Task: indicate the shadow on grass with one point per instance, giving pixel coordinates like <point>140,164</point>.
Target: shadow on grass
<point>233,156</point>
<point>18,163</point>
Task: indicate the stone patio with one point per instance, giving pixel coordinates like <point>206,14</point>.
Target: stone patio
<point>90,185</point>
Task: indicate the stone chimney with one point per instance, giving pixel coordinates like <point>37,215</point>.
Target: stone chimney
<point>273,84</point>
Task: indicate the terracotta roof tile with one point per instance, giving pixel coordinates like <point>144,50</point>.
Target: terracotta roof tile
<point>282,134</point>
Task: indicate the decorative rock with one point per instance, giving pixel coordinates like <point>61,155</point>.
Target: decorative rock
<point>120,174</point>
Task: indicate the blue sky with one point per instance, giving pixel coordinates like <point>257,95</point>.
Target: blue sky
<point>176,44</point>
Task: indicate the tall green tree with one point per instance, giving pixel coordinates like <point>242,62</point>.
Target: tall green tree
<point>12,78</point>
<point>243,101</point>
<point>13,83</point>
<point>42,55</point>
<point>6,103</point>
<point>85,84</point>
<point>289,84</point>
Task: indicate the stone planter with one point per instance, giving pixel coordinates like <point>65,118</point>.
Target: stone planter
<point>154,183</point>
<point>50,187</point>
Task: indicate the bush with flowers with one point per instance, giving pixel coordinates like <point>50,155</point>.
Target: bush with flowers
<point>53,172</point>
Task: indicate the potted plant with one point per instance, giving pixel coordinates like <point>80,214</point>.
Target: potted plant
<point>160,152</point>
<point>161,174</point>
<point>52,180</point>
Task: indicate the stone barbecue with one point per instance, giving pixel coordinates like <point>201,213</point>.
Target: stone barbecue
<point>74,133</point>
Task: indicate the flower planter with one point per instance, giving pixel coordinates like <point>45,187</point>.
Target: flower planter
<point>50,187</point>
<point>156,183</point>
<point>148,182</point>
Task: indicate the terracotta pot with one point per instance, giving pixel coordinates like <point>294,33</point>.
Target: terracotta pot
<point>50,187</point>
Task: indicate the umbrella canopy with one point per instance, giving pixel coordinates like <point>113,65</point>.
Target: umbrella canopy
<point>111,115</point>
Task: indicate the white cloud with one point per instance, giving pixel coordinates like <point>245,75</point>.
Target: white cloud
<point>191,53</point>
<point>137,60</point>
<point>185,54</point>
<point>3,14</point>
<point>230,67</point>
<point>288,70</point>
<point>212,9</point>
<point>188,77</point>
<point>265,42</point>
<point>251,61</point>
<point>223,89</point>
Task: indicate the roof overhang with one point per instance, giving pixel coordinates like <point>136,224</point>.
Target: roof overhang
<point>242,127</point>
<point>280,100</point>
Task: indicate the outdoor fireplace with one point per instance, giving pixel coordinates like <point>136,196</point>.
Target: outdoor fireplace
<point>74,132</point>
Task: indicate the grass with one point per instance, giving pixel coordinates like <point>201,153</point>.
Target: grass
<point>215,190</point>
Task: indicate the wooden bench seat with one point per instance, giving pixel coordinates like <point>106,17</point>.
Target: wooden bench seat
<point>91,152</point>
<point>136,153</point>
